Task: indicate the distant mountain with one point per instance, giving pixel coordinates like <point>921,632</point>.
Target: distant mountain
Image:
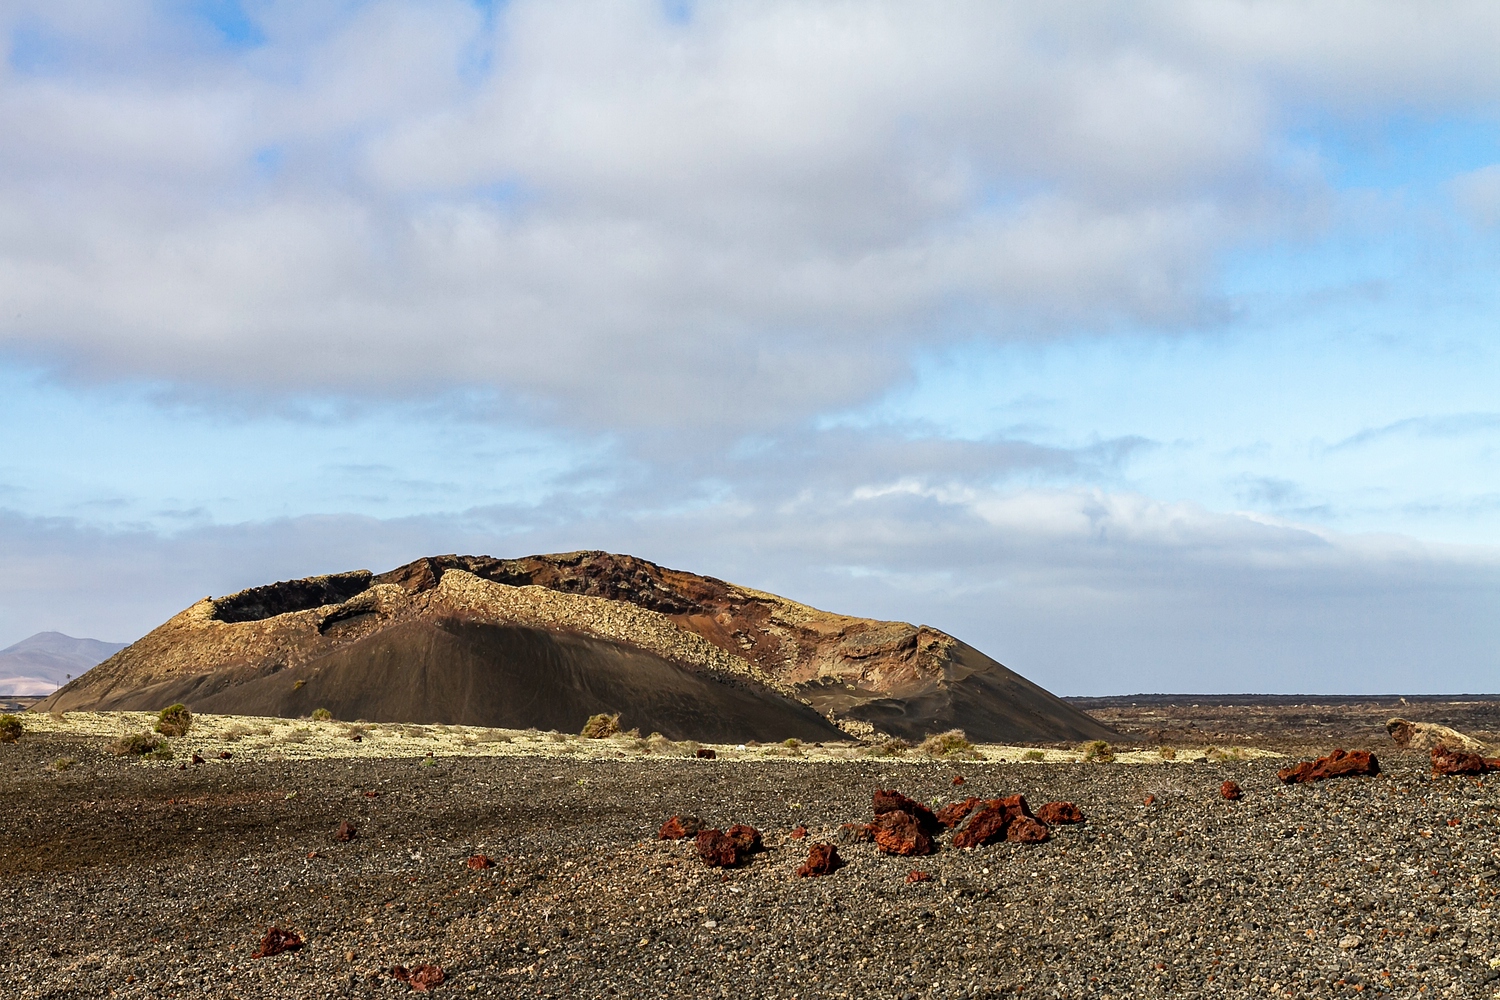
<point>549,640</point>
<point>42,664</point>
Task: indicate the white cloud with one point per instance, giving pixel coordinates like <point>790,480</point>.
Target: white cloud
<point>1478,194</point>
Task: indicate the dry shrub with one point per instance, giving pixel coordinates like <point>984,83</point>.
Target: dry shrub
<point>174,720</point>
<point>137,744</point>
<point>322,715</point>
<point>1097,750</point>
<point>10,728</point>
<point>602,726</point>
<point>953,743</point>
<point>1034,755</point>
<point>1219,755</point>
<point>63,763</point>
<point>494,736</point>
<point>1166,753</point>
<point>889,748</point>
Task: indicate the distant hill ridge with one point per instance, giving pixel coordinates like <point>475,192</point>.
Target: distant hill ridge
<point>42,663</point>
<point>547,640</point>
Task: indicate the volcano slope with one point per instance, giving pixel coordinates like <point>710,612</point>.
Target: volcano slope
<point>546,641</point>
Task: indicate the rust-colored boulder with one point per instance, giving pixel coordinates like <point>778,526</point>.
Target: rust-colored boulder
<point>958,779</point>
<point>420,979</point>
<point>1231,791</point>
<point>747,838</point>
<point>1058,813</point>
<point>275,942</point>
<point>916,876</point>
<point>480,862</point>
<point>679,828</point>
<point>857,833</point>
<point>822,859</point>
<point>225,755</point>
<point>1450,762</point>
<point>1339,764</point>
<point>705,753</point>
<point>890,800</point>
<point>1026,830</point>
<point>721,850</point>
<point>953,813</point>
<point>197,759</point>
<point>798,832</point>
<point>989,824</point>
<point>346,832</point>
<point>899,832</point>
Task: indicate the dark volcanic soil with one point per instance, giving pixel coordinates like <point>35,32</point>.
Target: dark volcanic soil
<point>147,881</point>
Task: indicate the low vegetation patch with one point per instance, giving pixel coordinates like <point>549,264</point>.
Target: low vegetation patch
<point>601,726</point>
<point>138,744</point>
<point>1166,753</point>
<point>953,743</point>
<point>322,715</point>
<point>10,728</point>
<point>174,720</point>
<point>63,763</point>
<point>1034,755</point>
<point>889,748</point>
<point>1097,750</point>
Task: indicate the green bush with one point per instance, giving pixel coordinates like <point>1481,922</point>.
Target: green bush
<point>137,744</point>
<point>321,715</point>
<point>10,728</point>
<point>1097,750</point>
<point>1034,755</point>
<point>953,743</point>
<point>601,726</point>
<point>174,720</point>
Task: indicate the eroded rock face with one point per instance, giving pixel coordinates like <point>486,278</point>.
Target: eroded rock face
<point>899,832</point>
<point>1426,735</point>
<point>1457,762</point>
<point>1057,813</point>
<point>679,828</point>
<point>822,859</point>
<point>1339,764</point>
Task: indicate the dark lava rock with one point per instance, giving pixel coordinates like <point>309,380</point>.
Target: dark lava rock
<point>275,942</point>
<point>958,779</point>
<point>479,862</point>
<point>1058,813</point>
<point>197,759</point>
<point>705,753</point>
<point>857,833</point>
<point>1449,762</point>
<point>1231,791</point>
<point>822,859</point>
<point>420,979</point>
<point>679,828</point>
<point>990,823</point>
<point>1339,764</point>
<point>346,832</point>
<point>747,838</point>
<point>717,850</point>
<point>899,832</point>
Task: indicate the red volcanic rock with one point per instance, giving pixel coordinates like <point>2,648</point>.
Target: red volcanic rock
<point>480,862</point>
<point>346,832</point>
<point>225,755</point>
<point>1150,800</point>
<point>798,832</point>
<point>1026,830</point>
<point>373,793</point>
<point>958,779</point>
<point>275,942</point>
<point>857,833</point>
<point>989,823</point>
<point>898,832</point>
<point>916,876</point>
<point>822,859</point>
<point>1339,764</point>
<point>890,800</point>
<point>1058,813</point>
<point>704,753</point>
<point>197,759</point>
<point>953,813</point>
<point>1231,791</point>
<point>679,828</point>
<point>421,979</point>
<point>746,838</point>
<point>1445,761</point>
<point>716,849</point>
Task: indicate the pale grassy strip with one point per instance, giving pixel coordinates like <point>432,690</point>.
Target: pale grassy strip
<point>255,737</point>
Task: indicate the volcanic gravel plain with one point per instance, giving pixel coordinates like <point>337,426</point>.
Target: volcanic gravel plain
<point>156,878</point>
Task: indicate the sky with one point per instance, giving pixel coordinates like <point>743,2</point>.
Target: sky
<point>1145,346</point>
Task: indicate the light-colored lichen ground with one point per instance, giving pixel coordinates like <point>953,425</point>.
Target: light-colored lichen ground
<point>250,737</point>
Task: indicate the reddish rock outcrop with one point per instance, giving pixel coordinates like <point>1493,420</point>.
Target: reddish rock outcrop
<point>346,832</point>
<point>1059,813</point>
<point>1231,791</point>
<point>822,859</point>
<point>1451,762</point>
<point>989,824</point>
<point>679,828</point>
<point>899,832</point>
<point>746,838</point>
<point>953,813</point>
<point>716,849</point>
<point>1339,764</point>
<point>420,979</point>
<point>1026,830</point>
<point>275,942</point>
<point>480,862</point>
<point>889,800</point>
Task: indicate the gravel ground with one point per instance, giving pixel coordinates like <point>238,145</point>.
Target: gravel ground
<point>136,880</point>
